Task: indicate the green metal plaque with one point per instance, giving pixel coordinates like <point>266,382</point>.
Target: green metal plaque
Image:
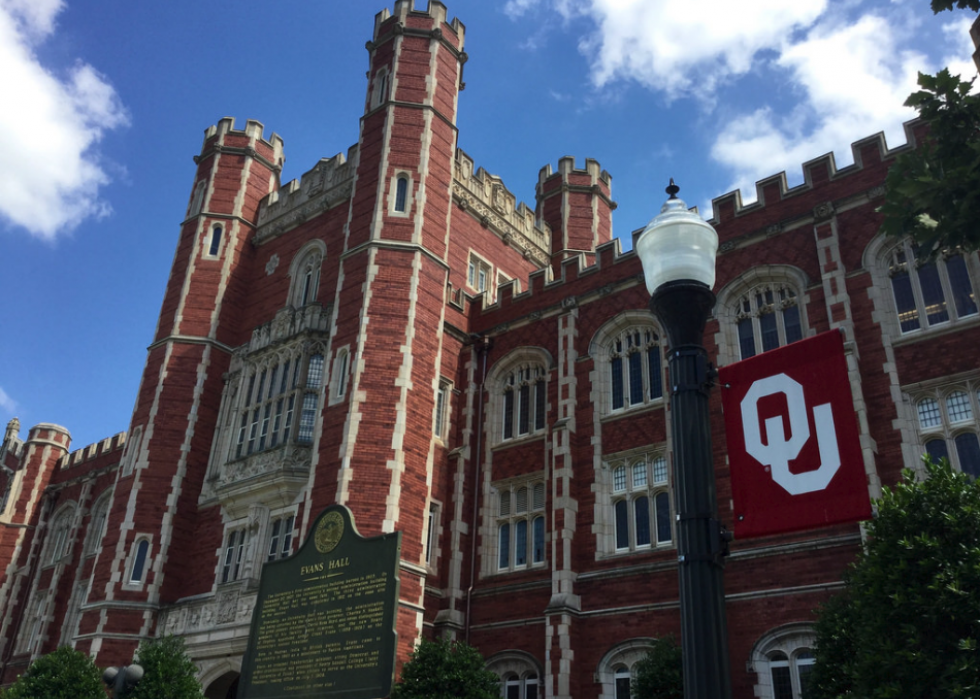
<point>324,622</point>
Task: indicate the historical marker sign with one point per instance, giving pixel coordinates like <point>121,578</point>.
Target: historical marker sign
<point>324,622</point>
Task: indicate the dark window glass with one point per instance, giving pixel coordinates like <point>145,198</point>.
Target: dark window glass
<point>401,193</point>
<point>520,543</point>
<point>959,282</point>
<point>656,375</point>
<point>908,314</point>
<point>307,419</point>
<point>524,410</point>
<point>746,341</point>
<point>508,414</point>
<point>932,294</point>
<point>968,451</point>
<point>504,546</point>
<point>616,366</point>
<point>531,687</point>
<point>622,687</point>
<point>936,448</point>
<point>663,517</point>
<point>538,551</point>
<point>791,322</point>
<point>636,378</point>
<point>641,515</point>
<point>215,241</point>
<point>622,525</point>
<point>139,561</point>
<point>767,328</point>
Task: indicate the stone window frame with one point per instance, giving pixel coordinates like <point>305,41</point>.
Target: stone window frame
<point>507,512</point>
<point>98,522</point>
<point>519,666</point>
<point>608,495</point>
<point>130,582</point>
<point>380,88</point>
<point>442,410</point>
<point>304,273</point>
<point>233,554</point>
<point>34,626</point>
<point>623,655</point>
<point>786,643</point>
<point>788,285</point>
<point>339,375</point>
<point>279,541</point>
<point>59,539</point>
<point>479,274</point>
<point>604,352</point>
<point>506,377</point>
<point>433,531</point>
<point>214,242</point>
<point>401,194</point>
<point>940,432</point>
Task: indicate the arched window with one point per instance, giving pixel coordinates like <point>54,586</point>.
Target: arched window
<point>768,317</point>
<point>628,363</point>
<point>140,554</point>
<point>401,193</point>
<point>762,309</point>
<point>59,540</point>
<point>932,292</point>
<point>519,674</point>
<point>97,524</point>
<point>949,425</point>
<point>520,525</point>
<point>523,402</point>
<point>215,245</point>
<point>640,503</point>
<point>305,274</point>
<point>782,661</point>
<point>617,668</point>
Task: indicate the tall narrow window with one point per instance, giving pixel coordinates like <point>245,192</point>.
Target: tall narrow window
<point>215,244</point>
<point>60,539</point>
<point>478,273</point>
<point>641,516</point>
<point>440,422</point>
<point>524,402</point>
<point>233,556</point>
<point>305,272</point>
<point>401,193</point>
<point>280,538</point>
<point>139,562</point>
<point>635,369</point>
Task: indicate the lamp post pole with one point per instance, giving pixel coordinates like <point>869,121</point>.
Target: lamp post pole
<point>681,298</point>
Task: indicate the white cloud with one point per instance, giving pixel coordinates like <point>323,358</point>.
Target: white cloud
<point>853,78</point>
<point>518,8</point>
<point>665,46</point>
<point>7,404</point>
<point>50,173</point>
<point>961,48</point>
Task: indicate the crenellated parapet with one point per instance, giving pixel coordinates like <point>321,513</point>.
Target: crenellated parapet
<point>79,456</point>
<point>223,137</point>
<point>818,173</point>
<point>487,199</point>
<point>327,185</point>
<point>406,19</point>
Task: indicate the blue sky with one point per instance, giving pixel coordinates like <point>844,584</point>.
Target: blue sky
<point>107,102</point>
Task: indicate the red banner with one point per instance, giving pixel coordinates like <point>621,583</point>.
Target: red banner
<point>793,443</point>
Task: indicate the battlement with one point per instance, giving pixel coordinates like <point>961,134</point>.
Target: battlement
<point>406,16</point>
<point>566,168</point>
<point>817,173</point>
<point>109,444</point>
<point>253,130</point>
<point>328,184</point>
<point>487,198</point>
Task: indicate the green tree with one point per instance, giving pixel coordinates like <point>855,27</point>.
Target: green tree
<point>933,192</point>
<point>167,671</point>
<point>446,670</point>
<point>660,675</point>
<point>64,674</point>
<point>940,5</point>
<point>908,621</point>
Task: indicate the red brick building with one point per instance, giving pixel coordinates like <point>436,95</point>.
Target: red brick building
<point>396,333</point>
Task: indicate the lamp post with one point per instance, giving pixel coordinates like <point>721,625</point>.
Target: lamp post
<point>678,250</point>
<point>121,680</point>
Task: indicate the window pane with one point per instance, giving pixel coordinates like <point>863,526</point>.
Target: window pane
<point>315,373</point>
<point>959,281</point>
<point>619,479</point>
<point>932,294</point>
<point>504,546</point>
<point>636,378</point>
<point>521,501</point>
<point>274,540</point>
<point>215,241</point>
<point>936,448</point>
<point>622,687</point>
<point>524,411</point>
<point>307,418</point>
<point>929,413</point>
<point>746,342</point>
<point>660,470</point>
<point>791,323</point>
<point>520,543</point>
<point>538,496</point>
<point>958,406</point>
<point>908,314</point>
<point>616,367</point>
<point>401,193</point>
<point>770,335</point>
<point>641,516</point>
<point>622,525</point>
<point>504,503</point>
<point>656,375</point>
<point>968,451</point>
<point>639,475</point>
<point>662,501</point>
<point>508,414</point>
<point>531,688</point>
<point>538,545</point>
<point>539,405</point>
<point>139,561</point>
<point>782,686</point>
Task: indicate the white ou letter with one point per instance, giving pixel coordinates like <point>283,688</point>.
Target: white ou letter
<point>779,451</point>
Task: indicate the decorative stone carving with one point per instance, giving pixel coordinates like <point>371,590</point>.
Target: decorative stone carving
<point>271,265</point>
